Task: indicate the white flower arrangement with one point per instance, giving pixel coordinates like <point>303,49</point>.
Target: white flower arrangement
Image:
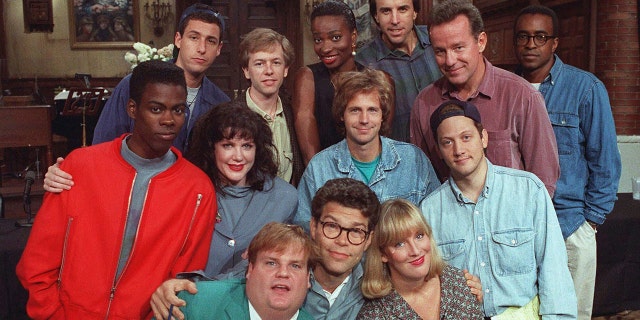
<point>145,52</point>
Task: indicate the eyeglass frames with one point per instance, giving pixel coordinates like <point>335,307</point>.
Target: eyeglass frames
<point>538,39</point>
<point>332,230</point>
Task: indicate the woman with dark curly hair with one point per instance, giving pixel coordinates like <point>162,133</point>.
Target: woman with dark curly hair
<point>233,146</point>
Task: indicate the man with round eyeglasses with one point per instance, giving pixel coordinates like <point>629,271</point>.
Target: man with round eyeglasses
<point>355,236</point>
<point>522,39</point>
<point>343,213</point>
<point>578,106</point>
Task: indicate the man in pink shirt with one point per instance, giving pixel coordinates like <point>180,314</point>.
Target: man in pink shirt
<point>513,112</point>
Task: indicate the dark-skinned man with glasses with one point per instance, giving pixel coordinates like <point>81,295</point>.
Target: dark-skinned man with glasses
<point>579,109</point>
<point>513,111</point>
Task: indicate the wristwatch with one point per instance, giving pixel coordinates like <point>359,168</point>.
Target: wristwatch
<point>593,225</point>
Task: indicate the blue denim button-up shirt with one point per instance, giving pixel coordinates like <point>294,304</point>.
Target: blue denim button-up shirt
<point>510,239</point>
<point>347,304</point>
<point>410,73</point>
<point>402,172</point>
<point>579,110</point>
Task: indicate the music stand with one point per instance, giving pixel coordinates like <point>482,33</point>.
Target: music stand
<point>83,101</point>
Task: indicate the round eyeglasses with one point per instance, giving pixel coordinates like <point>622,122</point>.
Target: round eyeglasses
<point>538,39</point>
<point>332,230</point>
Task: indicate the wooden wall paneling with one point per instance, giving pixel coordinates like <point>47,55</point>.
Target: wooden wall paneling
<point>3,51</point>
<point>242,16</point>
<point>499,28</point>
<point>425,11</point>
<point>224,71</point>
<point>27,126</point>
<point>575,20</point>
<point>575,26</point>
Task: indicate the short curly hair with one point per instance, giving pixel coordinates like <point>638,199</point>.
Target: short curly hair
<point>335,9</point>
<point>538,9</point>
<point>154,71</point>
<point>349,193</point>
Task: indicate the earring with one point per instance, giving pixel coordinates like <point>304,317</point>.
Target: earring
<point>353,50</point>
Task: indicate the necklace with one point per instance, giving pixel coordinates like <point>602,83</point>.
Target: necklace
<point>189,103</point>
<point>272,114</point>
<point>193,94</point>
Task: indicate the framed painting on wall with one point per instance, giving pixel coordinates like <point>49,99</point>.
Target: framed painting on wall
<point>103,24</point>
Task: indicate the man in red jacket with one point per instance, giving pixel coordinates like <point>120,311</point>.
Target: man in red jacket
<point>138,214</point>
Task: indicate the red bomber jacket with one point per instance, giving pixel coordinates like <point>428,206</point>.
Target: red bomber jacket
<point>70,261</point>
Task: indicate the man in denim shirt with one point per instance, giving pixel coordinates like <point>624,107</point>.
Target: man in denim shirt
<point>403,50</point>
<point>392,169</point>
<point>497,222</point>
<point>579,109</point>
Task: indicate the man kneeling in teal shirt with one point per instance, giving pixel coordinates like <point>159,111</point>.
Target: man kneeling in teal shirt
<point>275,285</point>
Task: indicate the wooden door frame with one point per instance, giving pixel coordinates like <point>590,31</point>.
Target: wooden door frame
<point>4,70</point>
<point>292,25</point>
<point>425,10</point>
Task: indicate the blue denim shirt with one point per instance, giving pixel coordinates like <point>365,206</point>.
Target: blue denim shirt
<point>580,113</point>
<point>114,120</point>
<point>410,73</point>
<point>402,172</point>
<point>510,239</point>
<point>346,306</point>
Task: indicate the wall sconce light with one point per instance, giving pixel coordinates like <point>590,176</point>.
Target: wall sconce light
<point>160,14</point>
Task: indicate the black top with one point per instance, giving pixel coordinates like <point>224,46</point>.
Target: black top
<point>324,92</point>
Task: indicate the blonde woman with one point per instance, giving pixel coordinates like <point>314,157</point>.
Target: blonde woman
<point>405,277</point>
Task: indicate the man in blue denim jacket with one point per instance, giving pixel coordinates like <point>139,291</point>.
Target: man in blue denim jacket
<point>392,169</point>
<point>579,109</point>
<point>498,223</point>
